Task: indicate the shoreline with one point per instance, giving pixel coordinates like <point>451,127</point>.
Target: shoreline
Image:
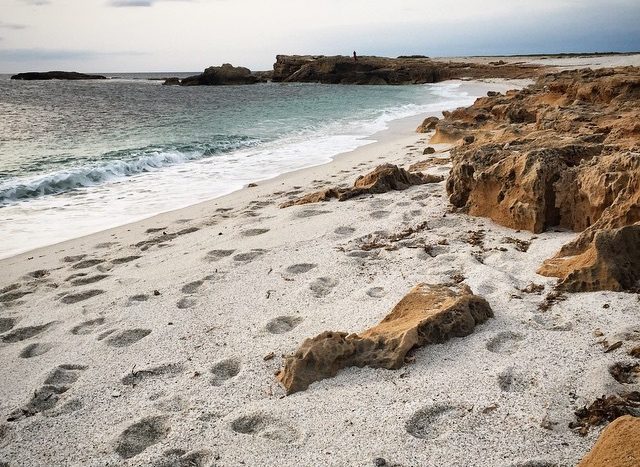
<point>156,342</point>
<point>395,129</point>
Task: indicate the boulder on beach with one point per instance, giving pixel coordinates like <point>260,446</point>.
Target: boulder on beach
<point>226,74</point>
<point>384,178</point>
<point>617,446</point>
<point>428,314</point>
<point>428,125</point>
<point>62,75</point>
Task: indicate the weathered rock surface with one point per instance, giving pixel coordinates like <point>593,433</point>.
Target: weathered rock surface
<point>564,152</point>
<point>226,74</point>
<point>428,314</point>
<point>383,70</point>
<point>617,446</point>
<point>610,262</point>
<point>47,75</point>
<point>428,125</point>
<point>384,178</point>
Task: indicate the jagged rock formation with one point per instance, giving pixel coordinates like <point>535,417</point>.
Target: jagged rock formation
<point>610,262</point>
<point>617,446</point>
<point>384,178</point>
<point>428,125</point>
<point>47,75</point>
<point>226,74</point>
<point>563,152</point>
<point>428,314</point>
<point>383,70</point>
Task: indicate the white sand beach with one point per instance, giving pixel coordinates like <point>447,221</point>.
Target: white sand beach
<point>156,343</point>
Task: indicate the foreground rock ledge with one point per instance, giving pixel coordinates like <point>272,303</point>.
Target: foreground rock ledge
<point>618,445</point>
<point>428,314</point>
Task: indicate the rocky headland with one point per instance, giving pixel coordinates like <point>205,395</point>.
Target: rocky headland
<point>61,75</point>
<point>384,70</point>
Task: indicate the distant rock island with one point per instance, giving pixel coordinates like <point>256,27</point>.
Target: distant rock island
<point>226,74</point>
<point>65,75</point>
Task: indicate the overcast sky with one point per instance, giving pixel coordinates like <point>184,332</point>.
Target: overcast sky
<point>187,35</point>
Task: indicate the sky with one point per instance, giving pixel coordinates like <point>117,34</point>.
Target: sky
<point>188,35</point>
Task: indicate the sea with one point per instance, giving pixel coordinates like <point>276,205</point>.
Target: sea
<point>77,157</point>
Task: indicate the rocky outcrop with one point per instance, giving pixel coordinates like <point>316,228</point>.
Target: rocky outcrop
<point>617,446</point>
<point>610,262</point>
<point>564,152</point>
<point>383,70</point>
<point>429,124</point>
<point>384,178</point>
<point>428,314</point>
<point>47,75</point>
<point>221,75</point>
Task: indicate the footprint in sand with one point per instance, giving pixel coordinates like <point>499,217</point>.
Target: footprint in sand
<point>81,296</point>
<point>283,324</point>
<point>87,263</point>
<point>7,324</point>
<point>181,458</point>
<point>430,422</point>
<point>344,231</point>
<point>186,302</point>
<point>379,214</point>
<point>267,427</point>
<point>215,255</point>
<point>13,295</point>
<point>35,350</point>
<point>225,370</point>
<point>322,286</point>
<point>88,280</point>
<point>506,342</point>
<point>376,292</point>
<point>138,298</point>
<point>250,256</point>
<point>126,259</point>
<point>625,373</point>
<point>253,232</point>
<point>155,230</point>
<point>27,332</point>
<point>39,274</point>
<point>306,213</point>
<point>192,287</point>
<point>300,268</point>
<point>166,370</point>
<point>510,380</point>
<point>142,434</point>
<point>59,381</point>
<point>127,337</point>
<point>173,403</point>
<point>73,259</point>
<point>87,327</point>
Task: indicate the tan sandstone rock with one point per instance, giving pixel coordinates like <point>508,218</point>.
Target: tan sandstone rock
<point>617,446</point>
<point>564,152</point>
<point>384,178</point>
<point>428,314</point>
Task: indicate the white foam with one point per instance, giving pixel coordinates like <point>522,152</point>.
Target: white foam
<point>125,191</point>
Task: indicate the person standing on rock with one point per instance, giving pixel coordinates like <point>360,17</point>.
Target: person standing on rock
<point>355,56</point>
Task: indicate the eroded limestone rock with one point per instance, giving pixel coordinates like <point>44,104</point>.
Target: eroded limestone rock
<point>617,446</point>
<point>384,178</point>
<point>428,314</point>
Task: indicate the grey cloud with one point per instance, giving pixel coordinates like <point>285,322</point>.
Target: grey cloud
<point>36,2</point>
<point>25,55</point>
<point>139,3</point>
<point>4,25</point>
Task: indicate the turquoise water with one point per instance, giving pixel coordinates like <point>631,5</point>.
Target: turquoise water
<point>78,157</point>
